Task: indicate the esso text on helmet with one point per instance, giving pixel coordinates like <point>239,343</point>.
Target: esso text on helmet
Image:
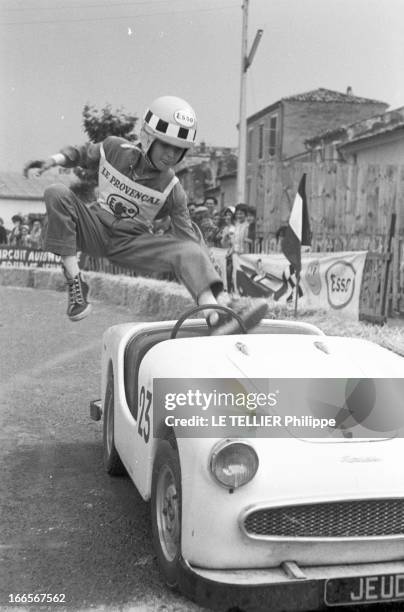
<point>184,118</point>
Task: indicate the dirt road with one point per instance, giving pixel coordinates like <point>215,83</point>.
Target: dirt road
<point>66,526</point>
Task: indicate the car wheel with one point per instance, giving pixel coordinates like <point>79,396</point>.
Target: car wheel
<point>112,461</point>
<point>166,512</point>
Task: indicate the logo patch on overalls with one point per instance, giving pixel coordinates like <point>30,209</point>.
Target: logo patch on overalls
<point>122,207</point>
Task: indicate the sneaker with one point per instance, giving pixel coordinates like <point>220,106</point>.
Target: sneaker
<point>251,313</point>
<point>78,306</point>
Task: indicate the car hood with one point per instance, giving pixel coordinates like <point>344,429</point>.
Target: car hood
<point>277,355</point>
<point>334,369</point>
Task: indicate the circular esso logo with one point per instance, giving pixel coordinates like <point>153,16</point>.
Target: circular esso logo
<point>340,279</point>
<point>122,207</point>
<point>312,276</point>
<point>185,118</point>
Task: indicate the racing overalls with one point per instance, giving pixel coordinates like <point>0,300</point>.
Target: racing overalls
<point>131,195</point>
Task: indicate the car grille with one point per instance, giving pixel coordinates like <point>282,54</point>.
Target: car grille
<point>345,519</point>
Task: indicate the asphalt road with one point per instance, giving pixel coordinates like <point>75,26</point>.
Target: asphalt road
<point>66,526</point>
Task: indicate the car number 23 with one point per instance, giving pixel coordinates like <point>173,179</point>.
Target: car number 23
<point>145,400</point>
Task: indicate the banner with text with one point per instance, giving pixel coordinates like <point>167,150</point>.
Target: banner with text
<point>15,257</point>
<point>330,281</point>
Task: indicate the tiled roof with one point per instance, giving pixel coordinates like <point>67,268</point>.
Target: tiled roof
<point>316,95</point>
<point>15,185</point>
<point>328,95</point>
<point>379,124</point>
<point>366,128</point>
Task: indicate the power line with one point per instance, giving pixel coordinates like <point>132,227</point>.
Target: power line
<point>39,22</point>
<point>84,6</point>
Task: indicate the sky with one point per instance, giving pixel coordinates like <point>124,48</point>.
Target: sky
<point>58,55</point>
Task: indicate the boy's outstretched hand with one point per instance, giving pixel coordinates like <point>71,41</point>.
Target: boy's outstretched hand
<point>40,165</point>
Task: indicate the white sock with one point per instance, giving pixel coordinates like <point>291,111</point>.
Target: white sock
<point>207,297</point>
<point>71,266</point>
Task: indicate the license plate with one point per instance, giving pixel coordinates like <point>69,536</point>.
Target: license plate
<point>364,589</point>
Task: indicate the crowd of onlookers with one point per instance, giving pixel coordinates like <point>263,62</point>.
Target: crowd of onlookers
<point>232,228</point>
<point>26,232</point>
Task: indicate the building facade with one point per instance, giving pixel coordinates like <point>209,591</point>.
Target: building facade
<point>279,131</point>
<point>205,172</point>
<point>377,140</point>
<point>24,196</point>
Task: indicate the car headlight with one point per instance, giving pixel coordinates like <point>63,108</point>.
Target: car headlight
<point>233,464</point>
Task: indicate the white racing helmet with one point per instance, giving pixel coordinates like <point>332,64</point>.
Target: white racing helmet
<point>171,120</point>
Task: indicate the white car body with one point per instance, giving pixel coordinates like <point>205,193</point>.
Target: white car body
<point>215,544</point>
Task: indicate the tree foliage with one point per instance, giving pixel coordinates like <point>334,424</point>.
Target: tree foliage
<point>100,123</point>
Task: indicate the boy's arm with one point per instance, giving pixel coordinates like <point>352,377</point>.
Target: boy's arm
<point>85,156</point>
<point>180,219</point>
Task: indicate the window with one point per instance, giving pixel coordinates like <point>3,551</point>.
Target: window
<point>273,130</point>
<point>261,141</point>
<point>249,145</point>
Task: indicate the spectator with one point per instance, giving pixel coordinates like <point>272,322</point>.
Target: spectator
<point>211,204</point>
<point>240,240</point>
<point>227,231</point>
<point>35,236</point>
<point>226,242</point>
<point>200,213</point>
<point>217,219</point>
<point>218,222</point>
<point>15,234</point>
<point>205,224</point>
<point>217,232</point>
<point>24,239</point>
<point>3,232</point>
<point>191,209</point>
<point>251,218</point>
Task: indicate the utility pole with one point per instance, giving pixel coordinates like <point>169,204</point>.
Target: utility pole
<point>246,61</point>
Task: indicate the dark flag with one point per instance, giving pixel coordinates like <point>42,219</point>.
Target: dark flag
<point>297,233</point>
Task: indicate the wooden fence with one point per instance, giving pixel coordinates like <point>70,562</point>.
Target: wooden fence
<point>346,199</point>
<point>350,208</point>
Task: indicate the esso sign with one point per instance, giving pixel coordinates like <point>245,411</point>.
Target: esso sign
<point>340,280</point>
<point>185,118</point>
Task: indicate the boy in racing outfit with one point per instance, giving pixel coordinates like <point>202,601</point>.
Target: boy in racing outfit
<point>136,186</point>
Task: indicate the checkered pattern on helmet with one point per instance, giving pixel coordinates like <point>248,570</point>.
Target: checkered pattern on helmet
<point>170,129</point>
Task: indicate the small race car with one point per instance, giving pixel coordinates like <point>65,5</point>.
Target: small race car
<point>240,518</point>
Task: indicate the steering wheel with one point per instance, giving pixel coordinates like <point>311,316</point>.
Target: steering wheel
<point>196,309</point>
